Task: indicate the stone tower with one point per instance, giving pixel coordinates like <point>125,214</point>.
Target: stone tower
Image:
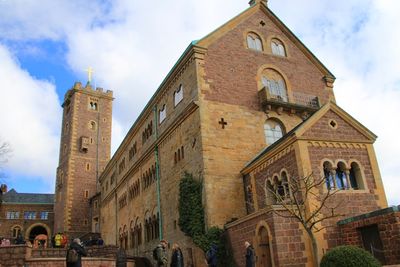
<point>85,149</point>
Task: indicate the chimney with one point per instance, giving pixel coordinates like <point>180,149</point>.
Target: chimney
<point>3,188</point>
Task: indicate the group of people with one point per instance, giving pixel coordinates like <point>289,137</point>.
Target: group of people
<point>161,257</point>
<point>211,257</point>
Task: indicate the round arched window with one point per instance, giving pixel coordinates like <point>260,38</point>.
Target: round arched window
<point>273,131</point>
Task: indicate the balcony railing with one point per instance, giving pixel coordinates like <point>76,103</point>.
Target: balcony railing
<point>298,101</point>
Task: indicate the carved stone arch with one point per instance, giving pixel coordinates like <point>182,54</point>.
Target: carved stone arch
<point>30,228</point>
<point>257,33</point>
<point>362,172</point>
<point>288,84</point>
<point>342,161</point>
<point>264,252</point>
<point>282,171</point>
<point>272,37</point>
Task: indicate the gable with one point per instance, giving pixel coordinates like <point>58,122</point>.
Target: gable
<point>274,21</point>
<point>232,71</point>
<point>332,127</point>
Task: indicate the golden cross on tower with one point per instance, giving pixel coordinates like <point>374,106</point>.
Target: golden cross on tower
<point>90,71</point>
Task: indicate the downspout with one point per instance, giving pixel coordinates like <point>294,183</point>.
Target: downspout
<point>157,175</point>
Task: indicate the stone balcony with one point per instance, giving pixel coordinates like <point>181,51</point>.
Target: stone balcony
<point>296,103</point>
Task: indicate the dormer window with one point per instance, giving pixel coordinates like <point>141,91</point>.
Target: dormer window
<point>254,42</point>
<point>178,95</point>
<point>277,48</point>
<point>163,113</point>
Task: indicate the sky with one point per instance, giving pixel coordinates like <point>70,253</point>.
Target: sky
<point>46,45</point>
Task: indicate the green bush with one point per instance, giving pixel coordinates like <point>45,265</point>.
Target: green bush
<point>348,256</point>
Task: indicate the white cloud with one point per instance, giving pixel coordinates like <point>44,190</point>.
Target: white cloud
<point>133,44</point>
<point>30,120</point>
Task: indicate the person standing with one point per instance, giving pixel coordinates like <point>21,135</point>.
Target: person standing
<point>75,253</point>
<point>250,255</point>
<point>177,256</point>
<point>160,253</point>
<point>211,256</point>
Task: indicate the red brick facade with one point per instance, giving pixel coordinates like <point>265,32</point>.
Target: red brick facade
<point>388,225</point>
<point>84,152</point>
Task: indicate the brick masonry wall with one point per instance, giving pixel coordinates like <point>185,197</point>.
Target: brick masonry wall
<point>389,231</point>
<point>287,162</point>
<point>231,68</point>
<point>71,205</point>
<point>102,256</point>
<point>287,241</point>
<point>26,225</point>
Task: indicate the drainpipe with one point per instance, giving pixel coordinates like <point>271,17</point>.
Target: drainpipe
<point>157,175</point>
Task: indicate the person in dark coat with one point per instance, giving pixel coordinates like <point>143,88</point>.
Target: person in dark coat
<point>177,256</point>
<point>250,255</point>
<point>211,256</point>
<point>78,247</point>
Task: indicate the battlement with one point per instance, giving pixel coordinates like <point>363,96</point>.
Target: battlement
<point>98,92</point>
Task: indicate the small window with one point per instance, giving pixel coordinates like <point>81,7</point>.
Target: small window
<point>29,215</point>
<point>178,95</point>
<point>341,176</point>
<point>92,125</point>
<point>163,113</point>
<point>93,105</point>
<point>277,48</point>
<point>273,131</point>
<point>44,215</point>
<point>254,42</point>
<point>88,166</point>
<point>86,194</point>
<point>12,215</point>
<point>356,180</point>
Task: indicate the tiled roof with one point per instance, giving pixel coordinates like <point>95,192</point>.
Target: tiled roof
<point>13,196</point>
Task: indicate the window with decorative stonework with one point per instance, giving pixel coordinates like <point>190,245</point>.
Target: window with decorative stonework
<point>254,42</point>
<point>148,132</point>
<point>93,104</point>
<point>278,48</point>
<point>30,215</point>
<point>342,177</point>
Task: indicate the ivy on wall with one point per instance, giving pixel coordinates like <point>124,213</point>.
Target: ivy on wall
<point>191,219</point>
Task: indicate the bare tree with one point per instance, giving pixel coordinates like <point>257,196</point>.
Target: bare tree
<point>305,200</point>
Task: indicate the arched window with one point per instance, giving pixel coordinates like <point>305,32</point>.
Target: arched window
<point>341,179</point>
<point>271,199</point>
<point>277,48</point>
<point>285,184</point>
<point>16,230</point>
<point>356,181</point>
<point>254,42</point>
<point>275,84</point>
<point>328,175</point>
<point>273,130</point>
<point>178,95</point>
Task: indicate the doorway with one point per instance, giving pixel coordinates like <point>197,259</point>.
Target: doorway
<point>372,241</point>
<point>263,250</point>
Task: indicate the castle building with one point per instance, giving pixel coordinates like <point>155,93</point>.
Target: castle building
<point>85,149</point>
<point>244,107</point>
<point>25,214</point>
